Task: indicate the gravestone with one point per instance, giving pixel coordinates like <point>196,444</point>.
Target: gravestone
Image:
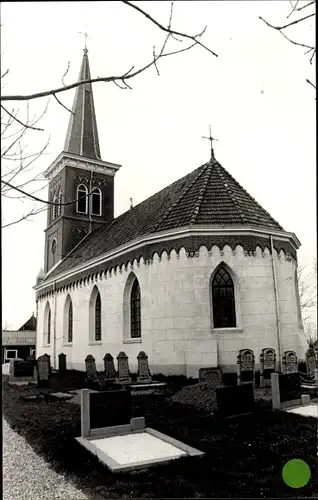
<point>289,386</point>
<point>245,366</point>
<point>62,362</point>
<point>290,362</point>
<point>113,407</point>
<point>211,375</point>
<point>43,370</point>
<point>91,376</point>
<point>235,399</point>
<point>268,366</point>
<point>31,359</point>
<point>109,368</point>
<point>311,360</point>
<point>123,368</point>
<point>143,374</point>
<point>23,369</point>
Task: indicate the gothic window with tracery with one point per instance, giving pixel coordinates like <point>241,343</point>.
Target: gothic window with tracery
<point>223,299</point>
<point>135,318</point>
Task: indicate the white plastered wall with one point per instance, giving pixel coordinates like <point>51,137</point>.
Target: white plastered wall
<point>176,312</point>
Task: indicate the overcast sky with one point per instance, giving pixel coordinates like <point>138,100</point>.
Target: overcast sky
<point>254,94</point>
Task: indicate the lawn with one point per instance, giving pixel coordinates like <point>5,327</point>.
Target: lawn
<point>243,456</point>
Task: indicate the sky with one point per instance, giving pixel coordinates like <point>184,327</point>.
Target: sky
<point>254,95</point>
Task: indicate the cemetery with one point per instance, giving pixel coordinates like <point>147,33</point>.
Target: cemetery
<point>183,437</point>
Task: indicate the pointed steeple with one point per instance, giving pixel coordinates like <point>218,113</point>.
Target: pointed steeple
<point>82,135</point>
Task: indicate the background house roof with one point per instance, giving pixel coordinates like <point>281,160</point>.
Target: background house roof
<point>14,338</point>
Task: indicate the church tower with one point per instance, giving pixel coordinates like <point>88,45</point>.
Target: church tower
<point>81,184</point>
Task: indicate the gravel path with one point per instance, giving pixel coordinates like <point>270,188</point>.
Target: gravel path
<point>27,476</point>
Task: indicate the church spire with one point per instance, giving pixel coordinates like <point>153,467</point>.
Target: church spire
<point>82,135</point>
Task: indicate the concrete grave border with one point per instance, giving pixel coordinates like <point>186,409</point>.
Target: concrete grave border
<point>136,426</point>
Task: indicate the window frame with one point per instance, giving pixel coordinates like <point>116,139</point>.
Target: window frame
<point>70,322</point>
<point>135,310</point>
<point>97,191</point>
<point>216,298</point>
<point>10,350</point>
<point>55,206</point>
<point>98,301</point>
<point>81,187</point>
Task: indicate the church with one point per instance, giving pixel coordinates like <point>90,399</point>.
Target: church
<point>190,276</point>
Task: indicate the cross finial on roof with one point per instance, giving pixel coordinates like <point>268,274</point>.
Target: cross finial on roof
<point>211,139</point>
<point>85,35</point>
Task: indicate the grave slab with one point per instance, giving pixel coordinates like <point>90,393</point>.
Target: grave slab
<point>136,450</point>
<point>305,410</point>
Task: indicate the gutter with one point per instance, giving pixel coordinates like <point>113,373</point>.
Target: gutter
<point>278,324</point>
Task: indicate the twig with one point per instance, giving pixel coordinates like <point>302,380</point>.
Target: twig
<point>63,105</point>
<point>278,28</point>
<point>67,70</point>
<point>17,120</point>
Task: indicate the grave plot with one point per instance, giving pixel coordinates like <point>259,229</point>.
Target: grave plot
<point>125,447</point>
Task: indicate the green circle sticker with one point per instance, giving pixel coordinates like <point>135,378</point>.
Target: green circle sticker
<point>296,473</point>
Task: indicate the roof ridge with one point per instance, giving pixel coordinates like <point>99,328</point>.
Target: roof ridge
<point>202,192</point>
<point>232,196</point>
<point>182,194</point>
<point>250,196</point>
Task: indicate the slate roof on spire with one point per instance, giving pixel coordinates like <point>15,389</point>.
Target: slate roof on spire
<point>208,196</point>
<point>82,135</point>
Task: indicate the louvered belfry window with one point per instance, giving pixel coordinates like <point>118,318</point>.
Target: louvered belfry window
<point>98,319</point>
<point>135,319</point>
<point>223,300</point>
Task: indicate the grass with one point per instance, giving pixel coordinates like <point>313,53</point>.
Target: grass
<point>243,456</point>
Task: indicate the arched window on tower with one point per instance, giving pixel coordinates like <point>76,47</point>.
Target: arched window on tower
<point>59,208</point>
<point>55,206</point>
<point>135,319</point>
<point>223,299</point>
<point>81,197</point>
<point>97,202</point>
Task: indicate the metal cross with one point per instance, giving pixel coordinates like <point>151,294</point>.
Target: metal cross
<point>211,139</point>
<point>85,36</point>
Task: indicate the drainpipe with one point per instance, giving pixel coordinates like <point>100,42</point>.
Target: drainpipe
<point>54,329</point>
<point>277,306</point>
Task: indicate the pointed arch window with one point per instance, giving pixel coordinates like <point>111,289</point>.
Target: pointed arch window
<point>59,208</point>
<point>70,323</point>
<point>55,206</point>
<point>47,324</point>
<point>223,299</point>
<point>81,197</point>
<point>97,202</point>
<point>135,318</point>
<point>98,318</point>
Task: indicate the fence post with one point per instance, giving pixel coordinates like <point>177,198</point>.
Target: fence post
<point>275,391</point>
<point>85,417</point>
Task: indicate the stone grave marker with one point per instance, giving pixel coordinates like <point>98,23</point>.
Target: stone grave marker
<point>43,370</point>
<point>91,376</point>
<point>235,400</point>
<point>211,375</point>
<point>62,362</point>
<point>268,366</point>
<point>109,368</point>
<point>311,360</point>
<point>123,368</point>
<point>143,374</point>
<point>21,371</point>
<point>245,366</point>
<point>31,359</point>
<point>108,408</point>
<point>285,388</point>
<point>290,362</point>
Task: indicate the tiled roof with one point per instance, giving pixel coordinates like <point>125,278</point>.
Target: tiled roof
<point>29,325</point>
<point>11,337</point>
<point>207,196</point>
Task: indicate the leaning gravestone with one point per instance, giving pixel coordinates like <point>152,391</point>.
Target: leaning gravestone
<point>123,368</point>
<point>113,407</point>
<point>245,366</point>
<point>62,362</point>
<point>143,375</point>
<point>311,360</point>
<point>286,389</point>
<point>109,368</point>
<point>290,362</point>
<point>235,400</point>
<point>268,366</point>
<point>43,370</point>
<point>91,372</point>
<point>211,375</point>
